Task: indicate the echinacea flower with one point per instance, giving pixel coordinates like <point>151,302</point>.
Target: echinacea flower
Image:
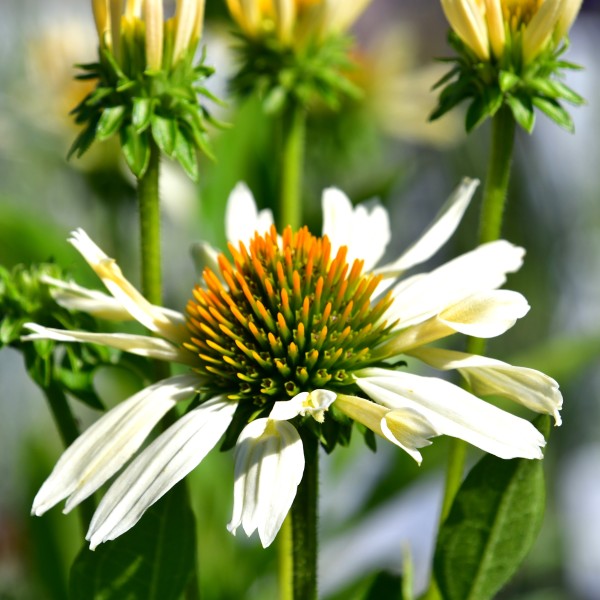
<point>296,335</point>
<point>293,20</point>
<point>495,27</point>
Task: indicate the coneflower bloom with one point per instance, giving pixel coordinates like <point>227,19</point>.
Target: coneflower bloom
<point>293,333</point>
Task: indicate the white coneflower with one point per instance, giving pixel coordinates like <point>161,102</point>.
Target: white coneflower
<point>298,333</point>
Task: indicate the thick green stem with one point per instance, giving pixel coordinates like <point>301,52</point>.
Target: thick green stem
<point>490,229</point>
<point>498,176</point>
<point>304,525</point>
<point>293,137</point>
<point>149,208</point>
<point>285,562</point>
<point>67,427</point>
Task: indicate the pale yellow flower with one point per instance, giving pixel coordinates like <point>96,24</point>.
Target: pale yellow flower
<point>492,27</point>
<point>294,20</point>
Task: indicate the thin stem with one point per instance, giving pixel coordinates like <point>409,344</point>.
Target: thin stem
<point>490,229</point>
<point>69,432</point>
<point>149,208</point>
<point>304,525</point>
<point>285,562</point>
<point>293,134</point>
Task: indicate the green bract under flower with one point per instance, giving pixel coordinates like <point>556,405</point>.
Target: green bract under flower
<point>148,84</point>
<point>509,54</point>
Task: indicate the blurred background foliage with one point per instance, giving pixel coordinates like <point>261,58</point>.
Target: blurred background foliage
<point>376,508</point>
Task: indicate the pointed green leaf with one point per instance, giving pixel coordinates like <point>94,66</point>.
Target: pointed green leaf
<point>164,132</point>
<point>155,560</point>
<point>556,112</point>
<point>522,110</point>
<point>142,112</point>
<point>136,150</point>
<point>385,586</point>
<point>565,92</point>
<point>110,122</point>
<point>493,522</point>
<point>477,113</point>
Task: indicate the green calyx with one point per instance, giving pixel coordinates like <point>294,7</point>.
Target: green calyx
<point>283,75</point>
<point>489,85</point>
<point>139,104</point>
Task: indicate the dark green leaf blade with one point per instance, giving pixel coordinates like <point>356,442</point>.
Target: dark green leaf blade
<point>155,560</point>
<point>493,522</point>
<point>110,122</point>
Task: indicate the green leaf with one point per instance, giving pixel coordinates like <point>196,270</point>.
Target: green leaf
<point>493,522</point>
<point>185,152</point>
<point>556,112</point>
<point>110,122</point>
<point>142,113</point>
<point>164,132</point>
<point>155,560</point>
<point>522,110</point>
<point>477,113</point>
<point>135,149</point>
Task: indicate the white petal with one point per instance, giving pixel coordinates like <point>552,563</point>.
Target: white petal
<point>158,468</point>
<point>409,429</point>
<point>138,307</point>
<point>364,230</point>
<point>269,464</point>
<point>141,345</point>
<point>487,376</point>
<point>486,314</point>
<point>437,234</point>
<point>453,411</point>
<point>313,403</point>
<point>98,453</point>
<point>424,296</point>
<point>242,220</point>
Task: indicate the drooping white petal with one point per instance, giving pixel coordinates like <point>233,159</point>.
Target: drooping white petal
<point>313,403</point>
<point>409,429</point>
<point>269,464</point>
<point>405,427</point>
<point>437,234</point>
<point>486,314</point>
<point>488,376</point>
<point>364,229</point>
<point>138,307</point>
<point>141,345</point>
<point>455,412</point>
<point>425,295</point>
<point>242,219</point>
<point>159,467</point>
<point>100,451</point>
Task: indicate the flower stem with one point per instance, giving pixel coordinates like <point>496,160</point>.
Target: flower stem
<point>490,229</point>
<point>304,525</point>
<point>293,137</point>
<point>285,562</point>
<point>69,432</point>
<point>149,208</point>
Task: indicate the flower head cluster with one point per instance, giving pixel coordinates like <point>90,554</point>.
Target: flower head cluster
<point>295,335</point>
<point>294,50</point>
<point>147,84</point>
<point>510,49</point>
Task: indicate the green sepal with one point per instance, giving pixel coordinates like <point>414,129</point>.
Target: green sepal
<point>141,113</point>
<point>521,107</point>
<point>110,122</point>
<point>508,80</point>
<point>164,131</point>
<point>493,522</point>
<point>136,150</point>
<point>155,560</point>
<point>185,151</point>
<point>556,112</point>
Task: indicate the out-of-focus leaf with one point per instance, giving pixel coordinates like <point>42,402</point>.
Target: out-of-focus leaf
<point>493,522</point>
<point>386,586</point>
<point>155,560</point>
